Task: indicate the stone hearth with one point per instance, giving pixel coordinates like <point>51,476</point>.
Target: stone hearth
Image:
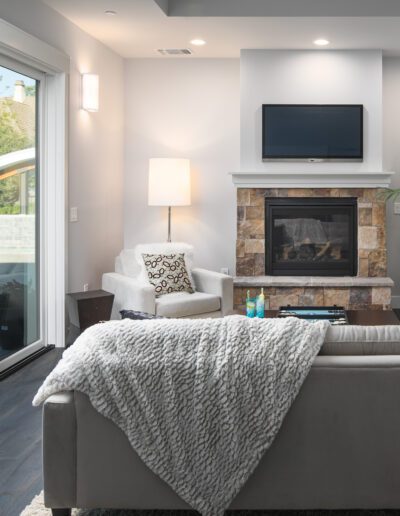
<point>371,289</point>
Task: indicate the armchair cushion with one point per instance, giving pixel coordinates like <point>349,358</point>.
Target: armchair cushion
<point>182,304</point>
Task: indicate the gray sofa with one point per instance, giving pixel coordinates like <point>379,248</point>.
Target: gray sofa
<point>338,448</point>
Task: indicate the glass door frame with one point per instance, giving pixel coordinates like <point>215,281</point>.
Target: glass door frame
<point>40,253</point>
<point>27,49</point>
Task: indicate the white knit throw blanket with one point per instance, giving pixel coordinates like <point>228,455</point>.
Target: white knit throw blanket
<point>200,400</point>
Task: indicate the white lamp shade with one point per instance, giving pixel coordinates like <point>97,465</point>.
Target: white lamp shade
<point>90,92</point>
<point>169,182</point>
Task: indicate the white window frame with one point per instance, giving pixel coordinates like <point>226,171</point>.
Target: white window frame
<point>53,66</point>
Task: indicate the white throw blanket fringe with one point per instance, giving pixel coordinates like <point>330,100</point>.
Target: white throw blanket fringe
<point>200,400</point>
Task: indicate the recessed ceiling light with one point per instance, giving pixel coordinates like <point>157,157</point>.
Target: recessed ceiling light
<point>198,42</point>
<point>110,12</point>
<point>321,42</point>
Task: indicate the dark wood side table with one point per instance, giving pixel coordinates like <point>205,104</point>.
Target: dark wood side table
<point>361,317</point>
<point>86,309</point>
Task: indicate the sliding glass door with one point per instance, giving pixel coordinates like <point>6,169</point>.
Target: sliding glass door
<point>20,234</point>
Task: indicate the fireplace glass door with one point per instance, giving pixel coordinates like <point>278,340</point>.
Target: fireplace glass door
<point>311,236</point>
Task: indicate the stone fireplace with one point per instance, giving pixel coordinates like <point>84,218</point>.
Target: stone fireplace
<point>359,281</point>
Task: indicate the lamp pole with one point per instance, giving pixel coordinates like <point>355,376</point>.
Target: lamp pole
<point>169,224</point>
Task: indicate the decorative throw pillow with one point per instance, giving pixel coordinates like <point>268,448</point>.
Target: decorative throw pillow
<point>167,273</point>
<point>163,248</point>
<point>138,316</point>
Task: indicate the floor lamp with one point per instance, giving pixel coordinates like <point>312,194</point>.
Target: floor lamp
<point>169,184</point>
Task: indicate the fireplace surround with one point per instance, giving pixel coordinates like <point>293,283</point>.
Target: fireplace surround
<point>369,288</point>
<point>311,236</point>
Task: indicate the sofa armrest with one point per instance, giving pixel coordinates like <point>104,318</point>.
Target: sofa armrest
<point>215,283</point>
<point>129,294</point>
<point>59,450</point>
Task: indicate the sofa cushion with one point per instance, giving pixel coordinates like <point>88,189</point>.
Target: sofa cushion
<point>181,304</point>
<point>362,340</point>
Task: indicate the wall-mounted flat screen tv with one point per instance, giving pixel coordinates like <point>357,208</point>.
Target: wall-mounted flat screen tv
<point>310,132</point>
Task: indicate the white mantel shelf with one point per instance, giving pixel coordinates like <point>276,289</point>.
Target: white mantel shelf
<point>312,179</point>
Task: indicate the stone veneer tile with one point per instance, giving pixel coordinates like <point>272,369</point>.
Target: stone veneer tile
<point>367,237</point>
<point>351,192</point>
<point>361,204</point>
<point>276,301</point>
<point>370,194</point>
<point>299,192</point>
<point>254,245</point>
<point>360,297</point>
<point>257,198</point>
<point>378,214</point>
<point>312,297</point>
<point>377,263</point>
<point>363,253</point>
<point>381,232</point>
<point>259,264</point>
<point>255,212</point>
<point>337,296</point>
<point>251,229</point>
<point>364,216</point>
<point>381,296</point>
<point>363,267</point>
<point>298,291</point>
<point>240,213</point>
<point>243,197</point>
<point>245,266</point>
<point>240,248</point>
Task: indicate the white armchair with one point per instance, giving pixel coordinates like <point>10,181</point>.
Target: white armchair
<point>213,296</point>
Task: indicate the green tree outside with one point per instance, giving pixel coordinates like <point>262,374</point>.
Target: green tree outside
<point>11,139</point>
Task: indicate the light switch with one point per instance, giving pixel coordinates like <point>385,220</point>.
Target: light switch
<point>73,214</point>
<point>397,208</point>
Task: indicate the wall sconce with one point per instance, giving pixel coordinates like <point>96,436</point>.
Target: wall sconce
<point>90,92</point>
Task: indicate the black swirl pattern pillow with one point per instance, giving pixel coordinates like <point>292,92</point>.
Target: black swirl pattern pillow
<point>167,273</point>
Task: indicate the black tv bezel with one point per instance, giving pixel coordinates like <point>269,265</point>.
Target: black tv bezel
<point>267,157</point>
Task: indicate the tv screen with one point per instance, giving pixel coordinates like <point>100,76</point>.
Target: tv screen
<point>312,132</point>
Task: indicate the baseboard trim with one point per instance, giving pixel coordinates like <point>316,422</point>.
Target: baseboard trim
<point>395,301</point>
<point>12,369</point>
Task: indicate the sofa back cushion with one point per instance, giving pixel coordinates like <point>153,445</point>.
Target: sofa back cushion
<point>126,263</point>
<point>362,340</point>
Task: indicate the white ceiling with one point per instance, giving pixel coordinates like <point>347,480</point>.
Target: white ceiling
<point>141,26</point>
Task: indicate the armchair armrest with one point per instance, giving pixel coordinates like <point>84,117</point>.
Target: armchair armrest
<point>215,283</point>
<point>130,294</point>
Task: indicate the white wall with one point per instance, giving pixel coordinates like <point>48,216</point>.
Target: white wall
<point>391,153</point>
<point>310,77</point>
<point>184,108</point>
<point>95,182</point>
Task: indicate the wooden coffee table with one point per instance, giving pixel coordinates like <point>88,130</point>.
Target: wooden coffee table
<point>360,317</point>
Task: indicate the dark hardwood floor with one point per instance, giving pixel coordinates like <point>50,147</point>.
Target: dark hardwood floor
<point>21,435</point>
